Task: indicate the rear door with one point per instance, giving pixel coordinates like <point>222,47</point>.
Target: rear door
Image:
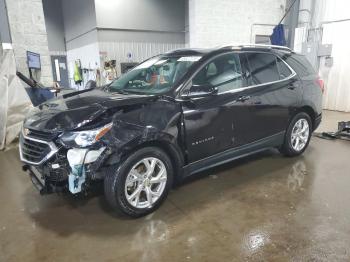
<point>274,93</point>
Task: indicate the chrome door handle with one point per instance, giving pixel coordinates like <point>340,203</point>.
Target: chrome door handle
<point>293,86</point>
<point>243,98</point>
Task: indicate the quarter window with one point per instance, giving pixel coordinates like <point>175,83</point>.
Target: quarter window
<point>283,69</point>
<point>224,72</point>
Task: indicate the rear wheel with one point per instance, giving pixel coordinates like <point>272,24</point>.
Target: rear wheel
<point>141,182</point>
<point>297,136</point>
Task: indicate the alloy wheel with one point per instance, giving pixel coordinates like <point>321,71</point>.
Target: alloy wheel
<point>300,134</point>
<point>145,183</point>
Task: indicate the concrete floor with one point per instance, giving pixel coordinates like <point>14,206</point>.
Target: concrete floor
<point>262,208</point>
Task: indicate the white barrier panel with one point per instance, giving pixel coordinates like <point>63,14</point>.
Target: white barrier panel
<point>14,101</point>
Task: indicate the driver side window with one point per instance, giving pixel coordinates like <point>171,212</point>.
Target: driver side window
<point>224,72</point>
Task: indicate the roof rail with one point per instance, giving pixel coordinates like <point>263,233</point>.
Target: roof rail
<point>261,45</point>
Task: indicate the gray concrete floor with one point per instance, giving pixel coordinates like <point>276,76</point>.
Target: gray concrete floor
<point>261,208</point>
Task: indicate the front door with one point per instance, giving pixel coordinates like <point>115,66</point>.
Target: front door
<point>217,122</point>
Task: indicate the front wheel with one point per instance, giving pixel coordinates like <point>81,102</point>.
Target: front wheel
<point>141,183</point>
<point>297,136</point>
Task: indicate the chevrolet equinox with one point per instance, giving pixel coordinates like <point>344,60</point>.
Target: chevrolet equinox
<point>169,117</point>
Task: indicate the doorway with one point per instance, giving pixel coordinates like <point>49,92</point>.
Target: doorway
<point>60,70</point>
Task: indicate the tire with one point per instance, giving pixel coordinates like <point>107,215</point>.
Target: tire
<point>140,182</point>
<point>289,147</point>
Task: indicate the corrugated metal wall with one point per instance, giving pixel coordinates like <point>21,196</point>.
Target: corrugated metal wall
<point>139,51</point>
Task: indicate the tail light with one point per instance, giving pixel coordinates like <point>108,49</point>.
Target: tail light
<point>320,83</point>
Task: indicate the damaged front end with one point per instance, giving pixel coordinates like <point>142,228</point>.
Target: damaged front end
<point>59,162</point>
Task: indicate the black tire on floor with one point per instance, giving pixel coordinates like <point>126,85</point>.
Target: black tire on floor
<point>287,148</point>
<point>115,178</point>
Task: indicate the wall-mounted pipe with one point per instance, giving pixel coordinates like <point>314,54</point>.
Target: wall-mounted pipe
<point>125,30</point>
<point>335,21</point>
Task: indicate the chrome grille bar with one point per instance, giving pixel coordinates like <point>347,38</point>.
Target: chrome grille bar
<point>24,151</point>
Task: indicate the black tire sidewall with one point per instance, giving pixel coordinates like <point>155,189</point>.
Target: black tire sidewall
<point>288,148</point>
<point>115,187</point>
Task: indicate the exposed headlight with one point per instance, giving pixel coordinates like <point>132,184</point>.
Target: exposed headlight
<point>84,138</point>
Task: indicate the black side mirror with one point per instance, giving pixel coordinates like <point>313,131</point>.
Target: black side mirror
<point>202,90</point>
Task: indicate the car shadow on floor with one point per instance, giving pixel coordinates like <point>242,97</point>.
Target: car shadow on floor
<point>67,214</point>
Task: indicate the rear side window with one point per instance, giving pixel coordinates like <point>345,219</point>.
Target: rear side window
<point>263,68</point>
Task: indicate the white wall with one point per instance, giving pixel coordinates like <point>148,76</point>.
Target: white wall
<point>337,77</point>
<point>213,23</point>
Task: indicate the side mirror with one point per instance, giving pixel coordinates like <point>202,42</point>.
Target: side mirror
<point>202,91</point>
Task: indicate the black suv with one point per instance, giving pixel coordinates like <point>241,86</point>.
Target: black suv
<point>169,117</point>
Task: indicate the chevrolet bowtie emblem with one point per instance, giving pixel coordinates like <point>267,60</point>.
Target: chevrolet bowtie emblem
<point>26,131</point>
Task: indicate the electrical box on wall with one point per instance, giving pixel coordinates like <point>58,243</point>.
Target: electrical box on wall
<point>310,51</point>
<point>324,50</point>
<point>328,62</point>
<point>314,51</point>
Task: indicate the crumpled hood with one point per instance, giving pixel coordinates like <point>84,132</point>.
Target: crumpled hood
<point>78,109</point>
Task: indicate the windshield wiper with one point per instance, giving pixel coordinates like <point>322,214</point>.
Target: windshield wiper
<point>119,91</point>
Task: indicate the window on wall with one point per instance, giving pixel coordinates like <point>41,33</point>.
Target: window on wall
<point>224,72</point>
<point>262,39</point>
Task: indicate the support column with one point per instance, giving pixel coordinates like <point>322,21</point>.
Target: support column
<point>28,33</point>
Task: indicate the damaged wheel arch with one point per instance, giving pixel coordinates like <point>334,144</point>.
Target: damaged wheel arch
<point>173,151</point>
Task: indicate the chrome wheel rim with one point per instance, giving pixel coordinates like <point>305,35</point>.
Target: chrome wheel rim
<point>300,134</point>
<point>145,182</point>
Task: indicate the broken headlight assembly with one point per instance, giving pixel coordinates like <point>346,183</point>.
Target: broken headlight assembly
<point>84,138</point>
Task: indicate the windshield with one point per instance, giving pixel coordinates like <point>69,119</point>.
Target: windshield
<point>156,75</point>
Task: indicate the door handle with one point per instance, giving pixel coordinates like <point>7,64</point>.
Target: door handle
<point>243,98</point>
<point>293,86</point>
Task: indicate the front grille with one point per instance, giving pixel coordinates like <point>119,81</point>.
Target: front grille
<point>41,135</point>
<point>35,151</point>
